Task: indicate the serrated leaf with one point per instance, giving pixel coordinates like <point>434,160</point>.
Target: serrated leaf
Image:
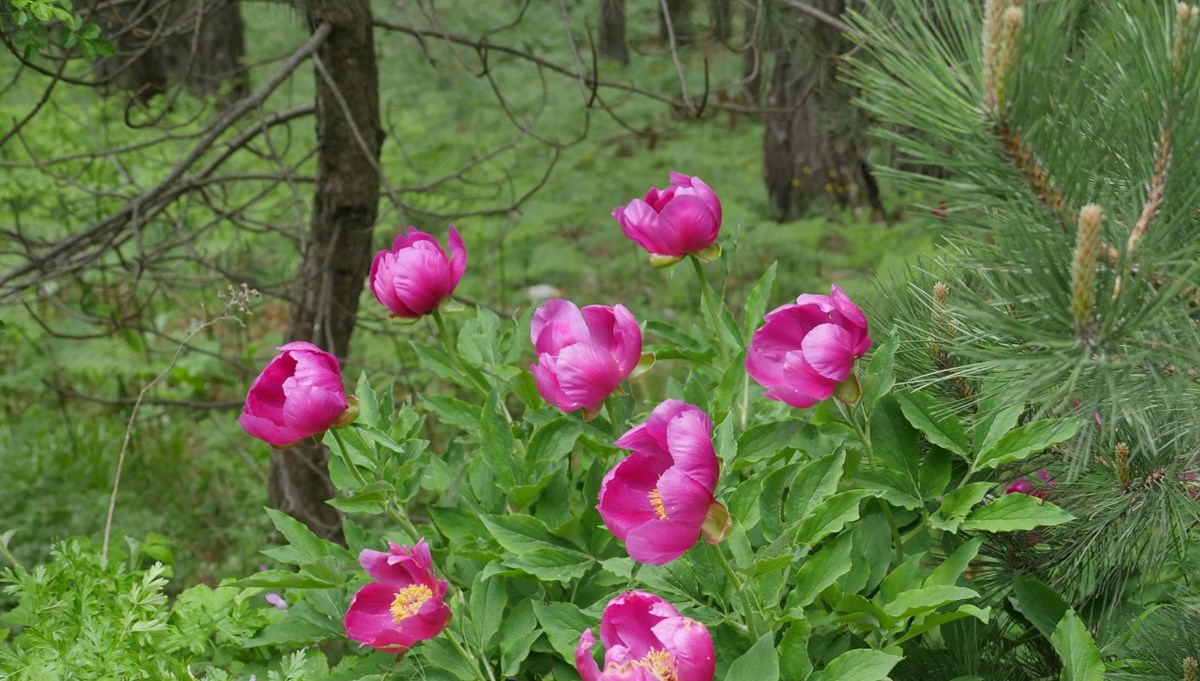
<point>1013,512</point>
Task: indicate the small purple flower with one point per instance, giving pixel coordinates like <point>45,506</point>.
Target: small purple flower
<point>277,601</point>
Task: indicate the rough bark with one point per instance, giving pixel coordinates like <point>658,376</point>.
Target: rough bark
<point>680,12</point>
<point>612,30</point>
<point>136,33</point>
<point>337,255</point>
<point>814,143</point>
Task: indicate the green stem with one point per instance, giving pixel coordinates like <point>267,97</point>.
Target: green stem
<point>470,659</point>
<point>400,515</point>
<point>345,454</point>
<point>740,586</point>
<point>11,558</point>
<point>864,433</point>
<point>708,300</point>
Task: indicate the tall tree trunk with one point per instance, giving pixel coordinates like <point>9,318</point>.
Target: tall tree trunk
<point>814,143</point>
<point>680,14</point>
<point>337,255</point>
<point>612,30</point>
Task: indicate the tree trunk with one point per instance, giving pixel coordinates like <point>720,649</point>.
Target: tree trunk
<point>814,143</point>
<point>680,14</point>
<point>612,30</point>
<point>219,53</point>
<point>136,33</point>
<point>337,255</point>
<point>153,44</point>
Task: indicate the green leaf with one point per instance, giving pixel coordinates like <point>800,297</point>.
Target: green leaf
<point>552,442</point>
<point>794,663</point>
<point>453,412</point>
<point>994,425</point>
<point>1015,512</point>
<point>756,302</point>
<point>1028,439</point>
<point>858,665</point>
<point>820,570</point>
<point>928,416</point>
<point>1039,603</point>
<point>831,516</point>
<point>1080,656</point>
<point>299,537</point>
<point>488,599</point>
<point>815,482</point>
<point>496,442</point>
<point>936,620</point>
<point>521,533</point>
<point>959,502</point>
<point>760,663</point>
<point>552,564</point>
<point>916,601</point>
<point>955,564</point>
<point>564,623</point>
<point>880,376</point>
<point>479,339</point>
<point>764,441</point>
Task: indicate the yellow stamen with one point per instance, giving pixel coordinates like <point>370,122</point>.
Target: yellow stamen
<point>409,600</point>
<point>656,502</point>
<point>660,664</point>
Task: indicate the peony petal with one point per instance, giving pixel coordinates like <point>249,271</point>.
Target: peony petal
<point>587,374</point>
<point>642,224</point>
<point>412,236</point>
<point>628,621</point>
<point>689,438</point>
<point>421,277</point>
<point>557,324</point>
<point>700,189</point>
<point>684,499</point>
<point>849,310</point>
<point>624,499</point>
<point>544,374</point>
<point>584,663</point>
<point>268,431</point>
<point>690,643</point>
<point>383,274</point>
<point>661,541</point>
<point>802,386</point>
<point>369,617</point>
<point>829,350</point>
<point>458,257</point>
<point>694,225</point>
<point>641,439</point>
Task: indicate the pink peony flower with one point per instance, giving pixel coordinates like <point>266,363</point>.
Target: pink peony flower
<point>671,223</point>
<point>403,606</point>
<point>298,395</point>
<point>646,639</point>
<point>583,355</point>
<point>415,276</point>
<point>806,350</point>
<point>659,499</point>
<point>1028,487</point>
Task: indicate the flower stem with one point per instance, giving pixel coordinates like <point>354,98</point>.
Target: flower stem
<point>864,433</point>
<point>345,453</point>
<point>708,300</point>
<point>740,586</point>
<point>470,659</point>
